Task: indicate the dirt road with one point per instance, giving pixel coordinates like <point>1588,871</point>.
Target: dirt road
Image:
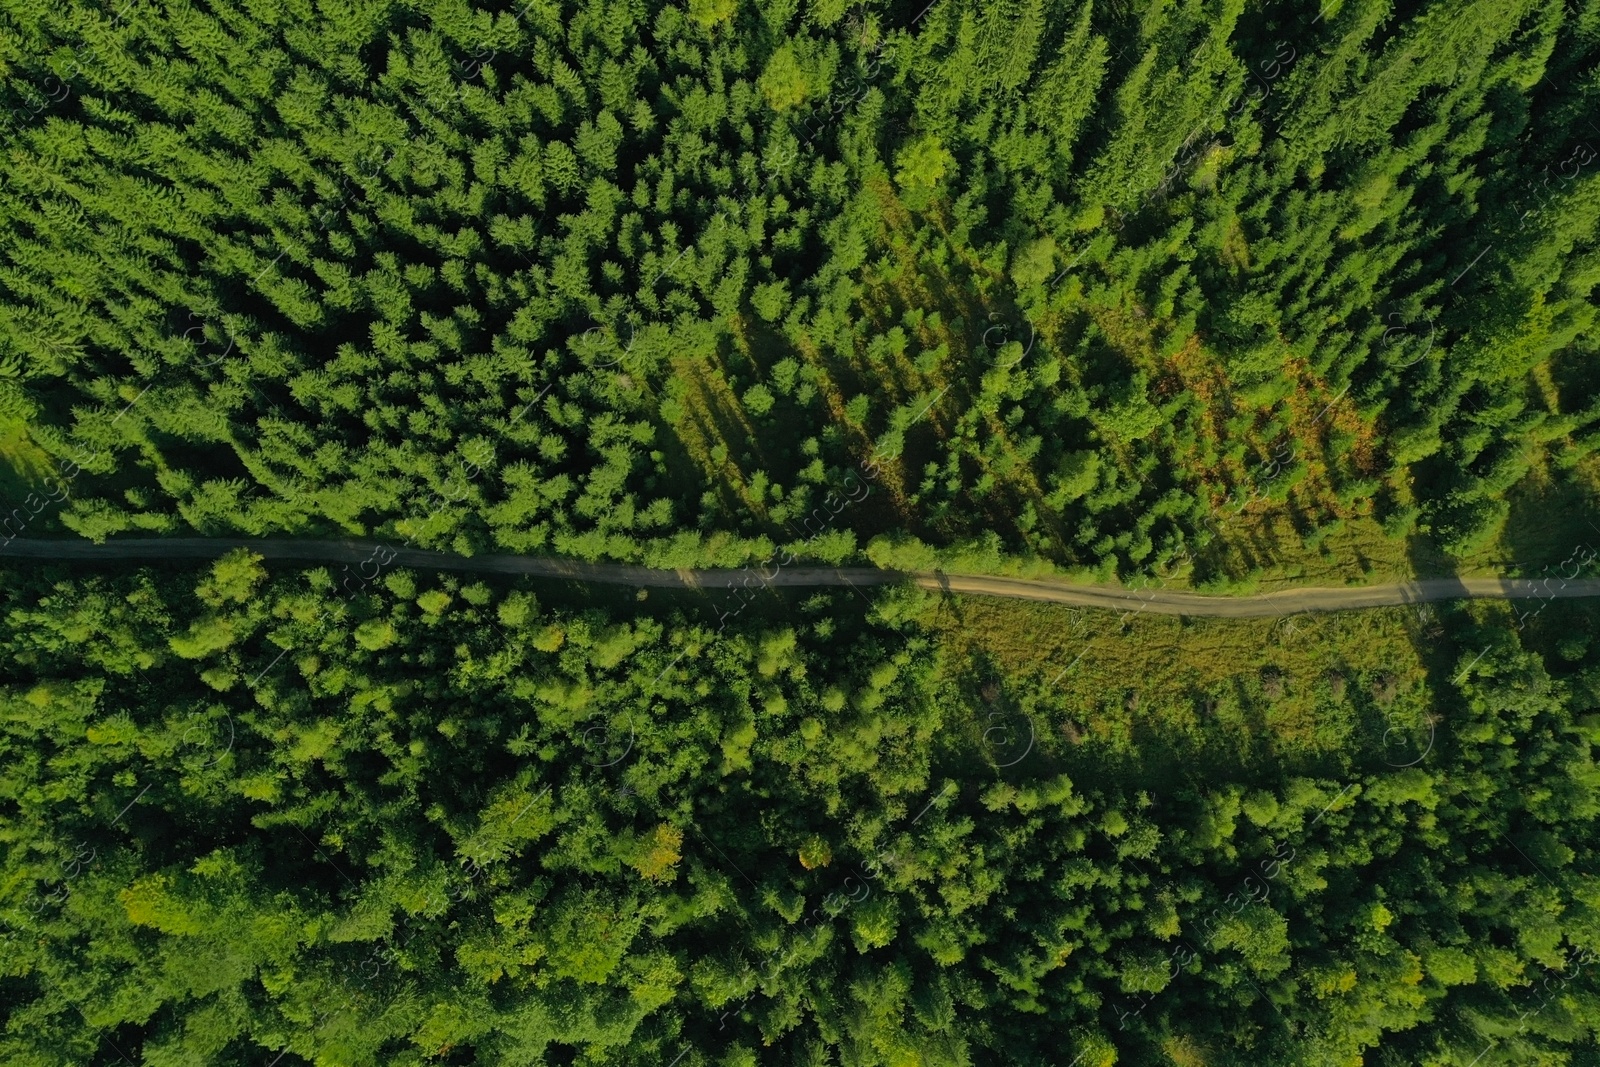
<point>1160,601</point>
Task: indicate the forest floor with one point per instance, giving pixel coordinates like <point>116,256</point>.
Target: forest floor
<point>1158,601</point>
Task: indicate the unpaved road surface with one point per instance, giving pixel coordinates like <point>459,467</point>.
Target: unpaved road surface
<point>376,555</point>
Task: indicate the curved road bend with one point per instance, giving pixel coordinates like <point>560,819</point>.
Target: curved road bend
<point>1161,602</point>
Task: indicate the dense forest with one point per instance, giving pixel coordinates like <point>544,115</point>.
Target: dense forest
<point>1077,282</point>
<point>249,815</point>
<point>1145,290</point>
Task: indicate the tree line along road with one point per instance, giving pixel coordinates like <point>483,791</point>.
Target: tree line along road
<point>1162,602</point>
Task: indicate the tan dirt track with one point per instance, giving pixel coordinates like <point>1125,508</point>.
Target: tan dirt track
<point>1161,602</point>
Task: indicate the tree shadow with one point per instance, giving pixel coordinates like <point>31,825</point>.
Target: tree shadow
<point>997,734</point>
<point>1551,523</point>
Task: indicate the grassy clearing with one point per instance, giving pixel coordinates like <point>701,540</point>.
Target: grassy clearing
<point>1550,517</point>
<point>1153,697</point>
